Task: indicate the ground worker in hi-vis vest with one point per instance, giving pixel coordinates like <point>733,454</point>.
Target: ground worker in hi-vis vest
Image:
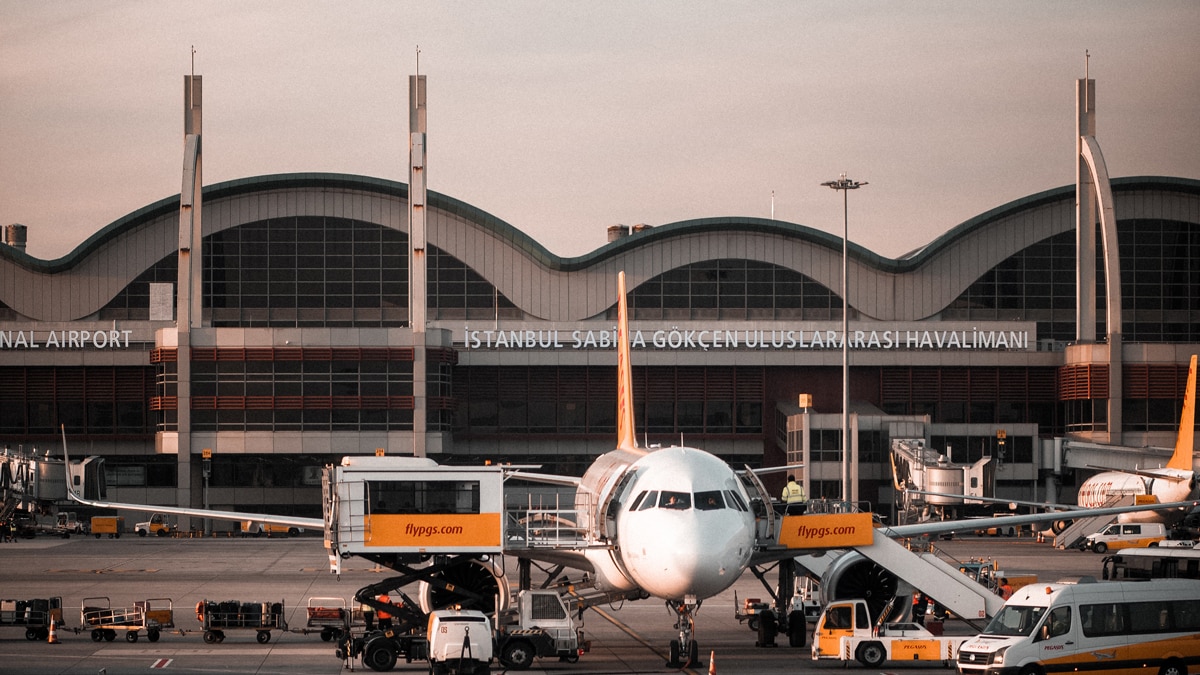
<point>793,496</point>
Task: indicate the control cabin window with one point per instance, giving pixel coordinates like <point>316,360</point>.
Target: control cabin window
<point>429,496</point>
<point>709,501</point>
<point>675,500</point>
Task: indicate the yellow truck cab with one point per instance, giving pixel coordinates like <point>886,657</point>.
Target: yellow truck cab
<point>845,631</point>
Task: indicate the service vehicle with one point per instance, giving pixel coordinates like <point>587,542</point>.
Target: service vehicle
<point>254,528</point>
<point>540,625</point>
<point>845,631</point>
<point>98,615</point>
<point>1091,626</point>
<point>68,523</point>
<point>761,618</point>
<point>1125,535</point>
<point>1152,563</point>
<point>34,616</point>
<point>110,525</point>
<point>158,524</point>
<point>460,642</point>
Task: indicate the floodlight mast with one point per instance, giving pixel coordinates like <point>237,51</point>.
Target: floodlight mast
<point>844,185</point>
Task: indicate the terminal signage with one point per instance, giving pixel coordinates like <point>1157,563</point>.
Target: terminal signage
<point>705,339</point>
<point>65,339</point>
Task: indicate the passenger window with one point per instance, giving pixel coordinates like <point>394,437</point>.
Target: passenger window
<point>675,500</point>
<point>1059,622</point>
<point>709,501</point>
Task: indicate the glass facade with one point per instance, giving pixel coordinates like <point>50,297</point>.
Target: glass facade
<point>582,401</point>
<point>97,401</point>
<point>733,289</point>
<point>1160,284</point>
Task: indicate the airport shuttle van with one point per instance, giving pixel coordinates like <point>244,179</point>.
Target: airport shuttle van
<point>1125,535</point>
<point>1101,627</point>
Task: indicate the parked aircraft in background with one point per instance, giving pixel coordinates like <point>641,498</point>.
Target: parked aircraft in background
<point>1174,482</point>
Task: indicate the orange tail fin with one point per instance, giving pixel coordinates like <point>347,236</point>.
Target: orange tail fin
<point>626,435</point>
<point>1184,442</point>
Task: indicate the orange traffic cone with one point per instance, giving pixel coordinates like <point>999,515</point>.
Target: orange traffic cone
<point>53,639</point>
<point>712,663</point>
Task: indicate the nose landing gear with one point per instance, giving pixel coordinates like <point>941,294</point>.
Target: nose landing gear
<point>684,652</point>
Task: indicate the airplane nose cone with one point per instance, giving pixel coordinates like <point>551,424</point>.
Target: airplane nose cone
<point>691,556</point>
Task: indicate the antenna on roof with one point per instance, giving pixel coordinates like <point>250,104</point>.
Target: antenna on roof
<point>418,60</point>
<point>193,60</point>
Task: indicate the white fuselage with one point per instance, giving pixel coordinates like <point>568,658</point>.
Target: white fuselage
<point>683,526</point>
<point>1098,489</point>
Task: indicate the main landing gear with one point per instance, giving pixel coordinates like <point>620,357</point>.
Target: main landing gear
<point>684,652</point>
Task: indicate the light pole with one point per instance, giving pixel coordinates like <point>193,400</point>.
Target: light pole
<point>845,185</point>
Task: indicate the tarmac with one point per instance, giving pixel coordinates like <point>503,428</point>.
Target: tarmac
<point>627,638</point>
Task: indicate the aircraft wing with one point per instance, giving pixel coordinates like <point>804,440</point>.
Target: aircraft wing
<point>291,521</point>
<point>946,527</point>
<point>1159,474</point>
<point>997,500</point>
<point>930,528</point>
<point>547,478</point>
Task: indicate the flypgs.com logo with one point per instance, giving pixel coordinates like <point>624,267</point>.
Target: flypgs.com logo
<point>806,532</point>
<point>431,530</point>
<point>827,530</point>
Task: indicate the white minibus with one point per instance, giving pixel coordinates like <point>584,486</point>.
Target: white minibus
<point>1101,627</point>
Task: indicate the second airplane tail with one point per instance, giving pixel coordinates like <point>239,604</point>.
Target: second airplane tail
<point>1185,441</point>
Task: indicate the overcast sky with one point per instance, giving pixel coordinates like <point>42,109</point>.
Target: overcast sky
<point>563,118</point>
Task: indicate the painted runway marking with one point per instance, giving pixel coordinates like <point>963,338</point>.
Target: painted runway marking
<point>162,663</point>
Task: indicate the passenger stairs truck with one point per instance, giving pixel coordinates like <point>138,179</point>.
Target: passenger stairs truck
<point>845,631</point>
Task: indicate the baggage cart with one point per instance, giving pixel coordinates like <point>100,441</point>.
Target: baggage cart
<point>261,617</point>
<point>104,621</point>
<point>32,615</point>
<point>329,616</point>
<point>110,525</point>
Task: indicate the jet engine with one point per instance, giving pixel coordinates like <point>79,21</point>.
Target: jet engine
<point>854,576</point>
<point>475,584</point>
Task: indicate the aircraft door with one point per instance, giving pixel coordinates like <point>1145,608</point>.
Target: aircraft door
<point>760,503</point>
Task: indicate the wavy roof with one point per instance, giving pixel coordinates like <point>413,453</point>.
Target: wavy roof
<point>535,250</point>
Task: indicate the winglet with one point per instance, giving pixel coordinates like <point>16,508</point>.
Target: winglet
<point>1185,442</point>
<point>626,434</point>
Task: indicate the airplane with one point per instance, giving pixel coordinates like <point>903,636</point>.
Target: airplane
<point>674,523</point>
<point>1174,482</point>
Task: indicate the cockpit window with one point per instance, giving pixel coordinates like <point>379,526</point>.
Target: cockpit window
<point>675,500</point>
<point>649,501</point>
<point>736,499</point>
<point>633,506</point>
<point>709,501</point>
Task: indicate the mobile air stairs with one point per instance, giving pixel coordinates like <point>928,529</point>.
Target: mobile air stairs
<point>1082,527</point>
<point>924,572</point>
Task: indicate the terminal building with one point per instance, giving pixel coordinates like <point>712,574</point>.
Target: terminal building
<point>278,323</point>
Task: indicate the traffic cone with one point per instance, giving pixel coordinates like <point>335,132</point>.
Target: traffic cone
<point>53,639</point>
<point>712,663</point>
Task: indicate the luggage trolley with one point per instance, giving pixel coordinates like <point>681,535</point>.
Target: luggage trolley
<point>32,615</point>
<point>330,616</point>
<point>104,620</point>
<point>261,617</point>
